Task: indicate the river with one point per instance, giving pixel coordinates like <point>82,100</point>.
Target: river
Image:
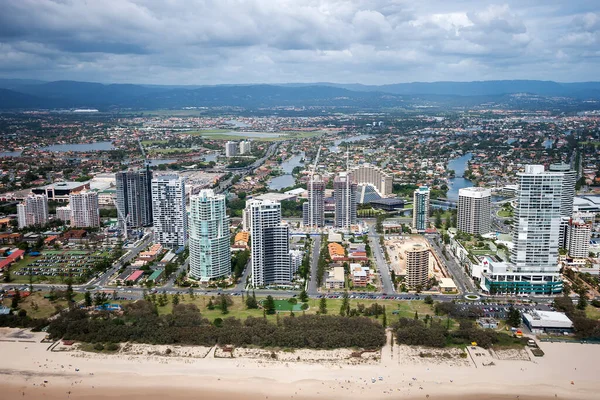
<point>459,165</point>
<point>335,147</point>
<point>287,180</point>
<point>11,154</point>
<point>82,147</point>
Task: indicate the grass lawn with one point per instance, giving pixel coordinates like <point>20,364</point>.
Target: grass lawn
<point>151,142</point>
<point>505,213</point>
<point>39,307</point>
<point>592,312</point>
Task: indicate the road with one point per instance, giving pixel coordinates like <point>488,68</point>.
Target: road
<point>313,290</point>
<point>382,266</point>
<point>462,281</point>
<point>127,257</point>
<point>241,285</point>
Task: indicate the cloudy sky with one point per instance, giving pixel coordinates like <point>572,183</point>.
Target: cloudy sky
<point>270,41</point>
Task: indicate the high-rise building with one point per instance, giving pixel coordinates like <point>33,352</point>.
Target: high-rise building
<point>33,210</point>
<point>421,208</point>
<point>63,213</point>
<point>579,234</point>
<point>247,215</point>
<point>533,266</point>
<point>270,244</point>
<point>344,193</point>
<point>313,211</point>
<point>417,266</point>
<point>474,210</point>
<point>372,175</point>
<point>210,254</point>
<point>231,149</point>
<point>567,198</point>
<point>168,211</point>
<point>85,211</point>
<point>134,198</point>
<point>245,147</point>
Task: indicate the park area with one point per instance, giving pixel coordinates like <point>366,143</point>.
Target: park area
<point>53,266</point>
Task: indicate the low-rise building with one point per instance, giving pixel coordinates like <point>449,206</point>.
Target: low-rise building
<point>336,251</point>
<point>336,278</point>
<point>361,276</point>
<point>547,321</point>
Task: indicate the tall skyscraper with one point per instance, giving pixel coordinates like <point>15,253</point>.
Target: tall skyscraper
<point>210,255</point>
<point>245,147</point>
<point>474,210</point>
<point>421,208</point>
<point>567,198</point>
<point>231,149</point>
<point>33,210</point>
<point>344,193</point>
<point>313,211</point>
<point>270,244</point>
<point>417,266</point>
<point>168,211</point>
<point>247,215</point>
<point>85,212</point>
<point>134,197</point>
<point>579,234</point>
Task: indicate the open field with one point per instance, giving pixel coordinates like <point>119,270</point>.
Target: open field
<point>151,142</point>
<point>216,134</point>
<point>169,151</point>
<point>592,312</point>
<point>39,307</point>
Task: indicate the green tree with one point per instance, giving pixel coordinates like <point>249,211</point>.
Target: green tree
<point>88,299</point>
<point>69,292</point>
<point>175,299</point>
<point>16,299</point>
<point>323,306</point>
<point>513,318</point>
<point>345,307</point>
<point>210,305</point>
<point>269,305</point>
<point>251,302</point>
<point>224,305</point>
<point>438,220</point>
<point>303,296</point>
<point>416,315</point>
<point>384,321</point>
<point>428,299</point>
<point>582,302</point>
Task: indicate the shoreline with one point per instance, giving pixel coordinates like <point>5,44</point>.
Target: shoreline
<point>567,371</point>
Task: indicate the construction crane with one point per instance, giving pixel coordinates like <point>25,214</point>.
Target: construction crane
<point>311,201</point>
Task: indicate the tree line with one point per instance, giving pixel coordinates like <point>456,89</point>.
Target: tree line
<point>141,323</point>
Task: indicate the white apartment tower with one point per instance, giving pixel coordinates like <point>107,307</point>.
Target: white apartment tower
<point>567,198</point>
<point>368,174</point>
<point>245,147</point>
<point>33,210</point>
<point>313,211</point>
<point>344,193</point>
<point>63,213</point>
<point>417,266</point>
<point>474,210</point>
<point>210,255</point>
<point>231,149</point>
<point>168,210</point>
<point>421,208</point>
<point>579,234</point>
<point>85,212</point>
<point>270,244</point>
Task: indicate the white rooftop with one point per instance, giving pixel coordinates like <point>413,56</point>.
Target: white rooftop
<point>547,319</point>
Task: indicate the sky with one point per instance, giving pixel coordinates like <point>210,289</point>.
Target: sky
<point>200,42</point>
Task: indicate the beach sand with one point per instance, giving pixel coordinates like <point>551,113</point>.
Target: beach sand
<point>29,370</point>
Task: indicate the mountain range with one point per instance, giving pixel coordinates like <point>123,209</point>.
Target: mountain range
<point>31,94</point>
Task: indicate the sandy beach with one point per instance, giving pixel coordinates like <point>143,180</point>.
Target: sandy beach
<point>29,370</point>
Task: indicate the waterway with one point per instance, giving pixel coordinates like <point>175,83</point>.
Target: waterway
<point>10,154</point>
<point>336,143</point>
<point>159,161</point>
<point>459,165</point>
<point>287,180</point>
<point>83,147</point>
<point>237,124</point>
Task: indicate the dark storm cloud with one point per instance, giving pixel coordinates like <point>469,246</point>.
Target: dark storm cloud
<point>233,41</point>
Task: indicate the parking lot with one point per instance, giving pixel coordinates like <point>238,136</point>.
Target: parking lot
<point>56,264</point>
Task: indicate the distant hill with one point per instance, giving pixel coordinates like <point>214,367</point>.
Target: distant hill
<point>70,94</point>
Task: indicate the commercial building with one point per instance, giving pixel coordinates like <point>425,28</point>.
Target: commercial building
<point>168,211</point>
<point>533,266</point>
<point>579,234</point>
<point>344,193</point>
<point>389,204</point>
<point>313,211</point>
<point>231,149</point>
<point>210,255</point>
<point>270,244</point>
<point>417,266</point>
<point>368,174</point>
<point>134,198</point>
<point>245,147</point>
<point>421,208</point>
<point>85,211</point>
<point>547,321</point>
<point>60,191</point>
<point>474,210</point>
<point>33,210</point>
